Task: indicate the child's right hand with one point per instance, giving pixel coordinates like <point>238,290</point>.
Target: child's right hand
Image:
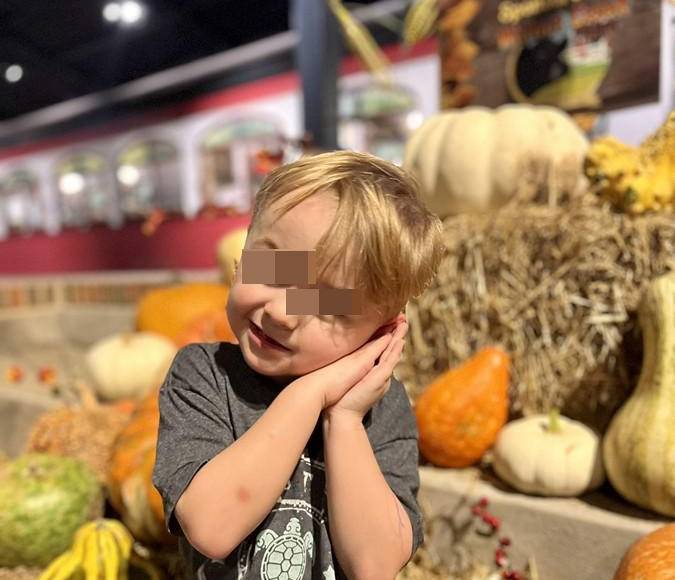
<point>332,381</point>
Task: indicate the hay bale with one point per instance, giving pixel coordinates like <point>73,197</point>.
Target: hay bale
<point>558,288</point>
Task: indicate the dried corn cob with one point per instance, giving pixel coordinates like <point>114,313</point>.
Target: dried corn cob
<point>420,21</point>
<point>361,42</point>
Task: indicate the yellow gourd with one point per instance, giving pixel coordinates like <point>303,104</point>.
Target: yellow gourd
<point>635,179</point>
<point>639,446</point>
<point>229,250</point>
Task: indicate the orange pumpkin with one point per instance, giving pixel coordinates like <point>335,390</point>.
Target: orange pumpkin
<point>130,478</point>
<point>169,311</point>
<point>651,557</point>
<point>212,327</point>
<point>460,414</point>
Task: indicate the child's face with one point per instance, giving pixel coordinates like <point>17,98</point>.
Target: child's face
<point>311,341</point>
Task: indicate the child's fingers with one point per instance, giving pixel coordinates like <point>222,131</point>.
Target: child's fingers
<point>397,337</point>
<point>384,369</point>
<point>394,353</point>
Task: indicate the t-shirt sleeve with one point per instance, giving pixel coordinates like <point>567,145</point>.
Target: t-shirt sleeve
<point>395,444</point>
<point>194,425</point>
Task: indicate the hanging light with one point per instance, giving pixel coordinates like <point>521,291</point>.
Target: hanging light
<point>129,12</point>
<point>112,11</point>
<point>13,73</point>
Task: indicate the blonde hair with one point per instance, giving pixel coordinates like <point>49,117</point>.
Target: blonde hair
<point>394,242</point>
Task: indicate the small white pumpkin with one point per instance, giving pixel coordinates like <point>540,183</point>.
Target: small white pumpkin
<point>229,252</point>
<point>476,158</point>
<point>129,364</point>
<point>549,455</point>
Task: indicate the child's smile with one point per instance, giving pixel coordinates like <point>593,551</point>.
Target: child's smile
<point>261,340</point>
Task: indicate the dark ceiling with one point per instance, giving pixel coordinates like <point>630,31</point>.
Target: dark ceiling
<point>67,49</point>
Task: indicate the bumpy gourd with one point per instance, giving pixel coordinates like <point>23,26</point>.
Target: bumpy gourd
<point>635,179</point>
<point>639,446</point>
<point>652,557</point>
<point>460,414</point>
<point>130,487</point>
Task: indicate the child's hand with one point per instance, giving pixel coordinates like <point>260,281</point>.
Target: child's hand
<point>332,381</point>
<point>372,387</point>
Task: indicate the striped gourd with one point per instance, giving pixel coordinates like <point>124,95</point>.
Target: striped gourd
<point>639,446</point>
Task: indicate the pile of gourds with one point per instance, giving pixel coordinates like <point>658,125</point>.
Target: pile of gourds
<point>463,413</point>
<point>112,434</point>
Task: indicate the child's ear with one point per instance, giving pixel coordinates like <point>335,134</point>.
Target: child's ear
<point>389,326</point>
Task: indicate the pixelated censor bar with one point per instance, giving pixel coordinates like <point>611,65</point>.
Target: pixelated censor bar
<point>298,268</point>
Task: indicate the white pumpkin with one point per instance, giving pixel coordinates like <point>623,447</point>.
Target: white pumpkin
<point>229,252</point>
<point>476,158</point>
<point>129,364</point>
<point>549,455</point>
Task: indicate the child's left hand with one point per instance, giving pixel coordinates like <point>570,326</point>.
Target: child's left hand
<point>362,396</point>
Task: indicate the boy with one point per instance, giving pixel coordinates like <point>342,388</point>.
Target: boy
<point>294,453</point>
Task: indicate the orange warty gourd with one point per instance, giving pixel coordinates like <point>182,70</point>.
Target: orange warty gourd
<point>460,414</point>
<point>651,557</point>
<point>170,311</point>
<point>130,479</point>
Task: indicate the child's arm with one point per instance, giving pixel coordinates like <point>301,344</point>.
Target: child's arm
<point>370,531</point>
<point>237,489</point>
<point>374,520</point>
<point>233,493</point>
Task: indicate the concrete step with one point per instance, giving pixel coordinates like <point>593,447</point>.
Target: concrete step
<point>580,538</point>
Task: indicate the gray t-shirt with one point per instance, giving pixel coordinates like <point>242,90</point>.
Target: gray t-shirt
<point>210,398</point>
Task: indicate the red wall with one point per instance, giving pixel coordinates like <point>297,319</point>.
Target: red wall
<point>178,243</point>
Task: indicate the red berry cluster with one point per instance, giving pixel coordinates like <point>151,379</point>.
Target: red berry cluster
<point>490,525</point>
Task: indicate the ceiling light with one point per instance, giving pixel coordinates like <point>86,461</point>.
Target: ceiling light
<point>13,73</point>
<point>112,11</point>
<point>131,11</point>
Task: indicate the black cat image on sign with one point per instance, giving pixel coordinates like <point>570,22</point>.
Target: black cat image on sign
<point>564,70</point>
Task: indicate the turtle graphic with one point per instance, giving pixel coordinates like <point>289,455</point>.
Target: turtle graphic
<point>284,557</point>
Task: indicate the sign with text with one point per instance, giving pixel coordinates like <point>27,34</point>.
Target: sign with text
<point>579,55</point>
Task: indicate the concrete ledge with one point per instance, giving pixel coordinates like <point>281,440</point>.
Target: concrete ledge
<point>570,538</point>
